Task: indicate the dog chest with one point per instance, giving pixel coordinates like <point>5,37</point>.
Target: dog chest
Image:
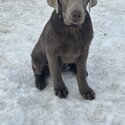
<point>70,57</point>
<point>70,53</point>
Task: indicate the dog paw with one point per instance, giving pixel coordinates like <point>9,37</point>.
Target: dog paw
<point>40,82</point>
<point>61,92</point>
<point>40,86</point>
<point>89,94</point>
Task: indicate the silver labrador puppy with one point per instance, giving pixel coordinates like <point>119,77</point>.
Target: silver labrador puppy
<point>64,42</point>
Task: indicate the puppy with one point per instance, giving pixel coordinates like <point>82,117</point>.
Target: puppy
<point>64,42</point>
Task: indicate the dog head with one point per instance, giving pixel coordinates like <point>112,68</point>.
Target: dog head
<point>73,11</point>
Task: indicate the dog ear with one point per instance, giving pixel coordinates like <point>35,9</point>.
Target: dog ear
<point>92,3</point>
<point>54,4</point>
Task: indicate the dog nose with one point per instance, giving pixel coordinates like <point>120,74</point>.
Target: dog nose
<point>76,15</point>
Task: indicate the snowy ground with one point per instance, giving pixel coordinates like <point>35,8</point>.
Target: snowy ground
<point>21,103</point>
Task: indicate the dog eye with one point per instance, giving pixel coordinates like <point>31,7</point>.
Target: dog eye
<point>62,1</point>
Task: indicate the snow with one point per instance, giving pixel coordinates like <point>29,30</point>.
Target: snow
<point>21,23</point>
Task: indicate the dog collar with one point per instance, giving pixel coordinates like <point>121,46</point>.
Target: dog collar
<point>60,16</point>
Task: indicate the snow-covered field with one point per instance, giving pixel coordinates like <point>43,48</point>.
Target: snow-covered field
<point>21,103</point>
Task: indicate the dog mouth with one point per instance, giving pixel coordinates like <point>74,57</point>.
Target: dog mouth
<point>74,23</point>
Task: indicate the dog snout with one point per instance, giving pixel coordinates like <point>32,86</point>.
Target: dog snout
<point>76,15</point>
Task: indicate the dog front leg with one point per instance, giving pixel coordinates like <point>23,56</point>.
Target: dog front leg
<point>84,88</point>
<point>60,89</point>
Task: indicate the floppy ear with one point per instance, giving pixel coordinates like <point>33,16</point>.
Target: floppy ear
<point>54,4</point>
<point>92,3</point>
